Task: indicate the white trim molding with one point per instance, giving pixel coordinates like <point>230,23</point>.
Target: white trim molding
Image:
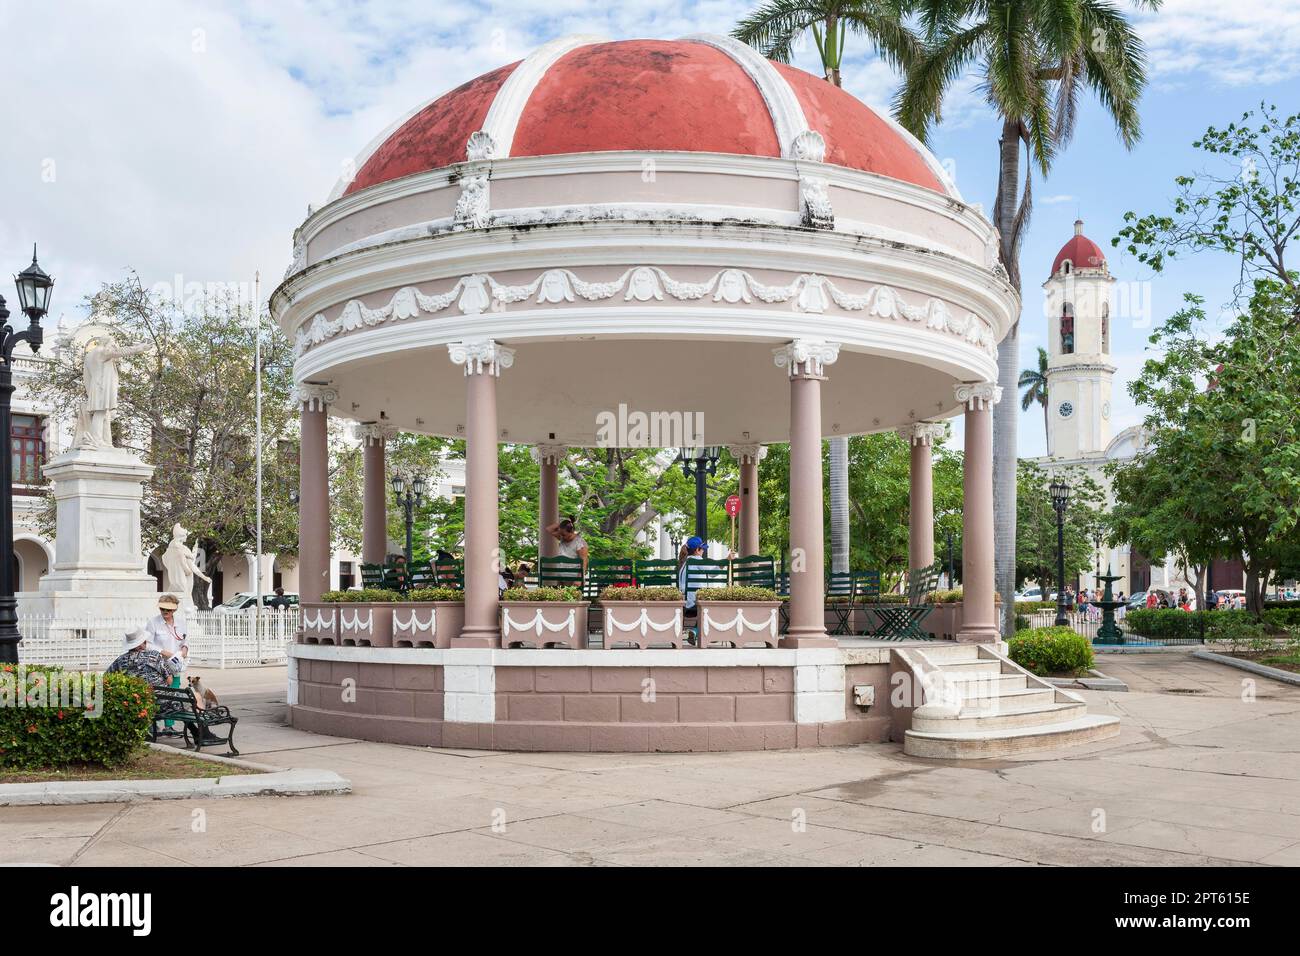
<point>977,396</point>
<point>537,624</point>
<point>643,624</point>
<point>476,354</point>
<point>806,356</point>
<point>372,433</point>
<point>753,451</point>
<point>549,453</point>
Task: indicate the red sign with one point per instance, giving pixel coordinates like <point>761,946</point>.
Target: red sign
<point>733,505</point>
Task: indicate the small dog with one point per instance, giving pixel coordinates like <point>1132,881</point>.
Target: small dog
<point>202,693</point>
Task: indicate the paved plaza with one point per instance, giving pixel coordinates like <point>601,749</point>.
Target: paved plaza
<point>1198,776</point>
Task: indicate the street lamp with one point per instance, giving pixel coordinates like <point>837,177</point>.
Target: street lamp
<point>699,463</point>
<point>34,288</point>
<point>1060,492</point>
<point>410,498</point>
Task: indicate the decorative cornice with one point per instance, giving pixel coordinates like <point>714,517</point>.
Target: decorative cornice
<point>924,433</point>
<point>372,433</point>
<point>549,453</point>
<point>480,356</point>
<point>806,357</point>
<point>807,292</point>
<point>977,396</point>
<point>314,395</point>
<point>753,451</point>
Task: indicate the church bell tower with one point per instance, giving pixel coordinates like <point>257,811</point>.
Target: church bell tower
<point>1079,371</point>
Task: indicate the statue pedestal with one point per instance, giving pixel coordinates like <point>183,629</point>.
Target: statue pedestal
<point>98,565</point>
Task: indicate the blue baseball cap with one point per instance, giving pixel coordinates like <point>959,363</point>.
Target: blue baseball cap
<point>693,542</point>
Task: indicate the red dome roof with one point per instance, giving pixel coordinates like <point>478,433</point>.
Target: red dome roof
<point>692,95</point>
<point>1082,252</point>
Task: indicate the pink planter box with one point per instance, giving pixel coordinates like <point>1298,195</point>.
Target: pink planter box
<point>365,625</point>
<point>320,624</point>
<point>427,624</point>
<point>641,623</point>
<point>544,624</point>
<point>739,623</point>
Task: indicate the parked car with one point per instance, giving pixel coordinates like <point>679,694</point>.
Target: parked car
<point>1035,594</point>
<point>1139,601</point>
<point>246,599</point>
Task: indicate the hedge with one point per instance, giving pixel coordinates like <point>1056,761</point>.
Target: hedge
<point>363,596</point>
<point>103,728</point>
<point>613,594</point>
<point>435,594</point>
<point>736,593</point>
<point>542,594</point>
<point>1029,607</point>
<point>1051,650</point>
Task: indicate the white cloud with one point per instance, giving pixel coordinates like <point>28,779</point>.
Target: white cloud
<point>1245,42</point>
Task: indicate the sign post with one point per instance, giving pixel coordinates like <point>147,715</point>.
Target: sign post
<point>733,509</point>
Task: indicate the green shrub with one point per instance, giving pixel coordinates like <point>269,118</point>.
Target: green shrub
<point>1051,650</point>
<point>1022,623</point>
<point>612,593</point>
<point>736,593</point>
<point>435,594</point>
<point>888,598</point>
<point>542,594</point>
<point>1029,607</point>
<point>363,596</point>
<point>1238,629</point>
<point>1280,618</point>
<point>1171,624</point>
<point>1282,604</point>
<point>54,736</point>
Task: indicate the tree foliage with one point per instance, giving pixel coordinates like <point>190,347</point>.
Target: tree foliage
<point>1036,535</point>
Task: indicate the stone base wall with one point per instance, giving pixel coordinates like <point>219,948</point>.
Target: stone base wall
<point>610,708</point>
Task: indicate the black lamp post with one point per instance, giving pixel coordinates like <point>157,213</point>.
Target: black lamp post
<point>1060,493</point>
<point>699,463</point>
<point>34,288</point>
<point>410,498</point>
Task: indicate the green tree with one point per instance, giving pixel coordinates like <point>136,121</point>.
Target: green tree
<point>1034,382</point>
<point>187,406</point>
<point>1036,538</point>
<point>1034,59</point>
<point>1224,434</point>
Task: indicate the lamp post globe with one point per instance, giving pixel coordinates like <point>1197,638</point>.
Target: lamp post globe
<point>35,288</point>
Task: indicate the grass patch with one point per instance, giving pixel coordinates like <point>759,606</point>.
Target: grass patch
<point>150,765</point>
<point>1284,662</point>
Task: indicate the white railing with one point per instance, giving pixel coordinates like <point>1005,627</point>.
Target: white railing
<point>216,639</point>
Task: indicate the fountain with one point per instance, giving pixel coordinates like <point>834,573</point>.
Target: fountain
<point>1109,632</point>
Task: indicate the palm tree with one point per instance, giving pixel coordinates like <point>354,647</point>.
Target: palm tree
<point>1034,381</point>
<point>774,28</point>
<point>1034,57</point>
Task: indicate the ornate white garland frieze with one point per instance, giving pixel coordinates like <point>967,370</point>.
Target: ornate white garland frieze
<point>537,623</point>
<point>412,623</point>
<point>808,293</point>
<point>358,623</point>
<point>318,623</point>
<point>739,624</point>
<point>644,624</point>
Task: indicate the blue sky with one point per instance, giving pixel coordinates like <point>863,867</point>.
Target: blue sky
<point>186,138</point>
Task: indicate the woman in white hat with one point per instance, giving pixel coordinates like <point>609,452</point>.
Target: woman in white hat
<point>167,630</point>
<point>140,658</point>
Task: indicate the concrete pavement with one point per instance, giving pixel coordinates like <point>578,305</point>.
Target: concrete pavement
<point>1205,771</point>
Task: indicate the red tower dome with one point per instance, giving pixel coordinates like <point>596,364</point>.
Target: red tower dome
<point>1081,252</point>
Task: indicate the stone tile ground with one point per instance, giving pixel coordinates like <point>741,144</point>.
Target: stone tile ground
<point>1206,771</point>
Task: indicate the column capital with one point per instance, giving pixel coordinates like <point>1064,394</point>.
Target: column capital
<point>314,395</point>
<point>923,433</point>
<point>977,396</point>
<point>549,453</point>
<point>749,450</point>
<point>372,433</point>
<point>481,356</point>
<point>806,357</point>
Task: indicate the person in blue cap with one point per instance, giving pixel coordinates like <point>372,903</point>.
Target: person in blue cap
<point>693,548</point>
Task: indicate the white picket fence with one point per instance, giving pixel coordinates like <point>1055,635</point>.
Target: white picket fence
<point>216,639</point>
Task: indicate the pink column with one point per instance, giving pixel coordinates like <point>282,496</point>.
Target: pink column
<point>374,506</point>
<point>979,616</point>
<point>548,458</point>
<point>920,526</point>
<point>483,360</point>
<point>313,490</point>
<point>806,361</point>
<point>748,456</point>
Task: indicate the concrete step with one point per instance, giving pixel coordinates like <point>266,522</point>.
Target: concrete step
<point>1002,718</point>
<point>980,744</point>
<point>987,679</point>
<point>938,653</point>
<point>979,694</point>
<point>989,666</point>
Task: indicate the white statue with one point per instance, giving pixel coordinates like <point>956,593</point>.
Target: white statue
<point>179,569</point>
<point>95,416</point>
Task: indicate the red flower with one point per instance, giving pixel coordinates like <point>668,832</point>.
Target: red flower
<point>144,713</point>
<point>31,728</point>
<point>60,715</point>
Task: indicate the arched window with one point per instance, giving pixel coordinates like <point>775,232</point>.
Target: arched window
<point>1065,266</point>
<point>1067,329</point>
